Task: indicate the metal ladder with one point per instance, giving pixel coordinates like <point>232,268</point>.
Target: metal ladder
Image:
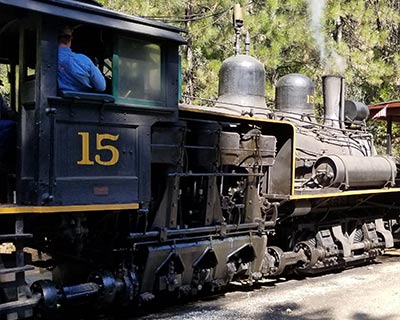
<point>16,300</point>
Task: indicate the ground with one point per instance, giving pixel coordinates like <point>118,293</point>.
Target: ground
<point>370,292</point>
<point>365,293</point>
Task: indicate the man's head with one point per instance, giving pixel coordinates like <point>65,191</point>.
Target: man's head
<point>65,36</point>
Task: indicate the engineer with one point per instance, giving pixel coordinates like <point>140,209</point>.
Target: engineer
<point>76,72</point>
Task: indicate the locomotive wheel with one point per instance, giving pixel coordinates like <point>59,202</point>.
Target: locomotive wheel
<point>310,252</point>
<point>49,295</point>
<point>274,263</point>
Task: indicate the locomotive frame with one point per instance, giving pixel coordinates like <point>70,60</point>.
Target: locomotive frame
<point>142,195</point>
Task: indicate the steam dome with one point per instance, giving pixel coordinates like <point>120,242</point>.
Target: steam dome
<point>241,83</point>
<point>295,93</point>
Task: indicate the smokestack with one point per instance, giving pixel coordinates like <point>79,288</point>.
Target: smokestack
<point>333,90</point>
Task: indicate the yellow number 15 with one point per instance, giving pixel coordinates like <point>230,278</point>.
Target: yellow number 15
<point>99,146</point>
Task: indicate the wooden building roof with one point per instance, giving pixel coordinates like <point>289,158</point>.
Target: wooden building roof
<point>389,110</point>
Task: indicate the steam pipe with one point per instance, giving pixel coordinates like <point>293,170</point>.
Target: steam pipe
<point>247,43</point>
<point>211,229</point>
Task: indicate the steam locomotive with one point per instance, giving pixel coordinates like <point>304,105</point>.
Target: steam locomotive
<point>129,194</point>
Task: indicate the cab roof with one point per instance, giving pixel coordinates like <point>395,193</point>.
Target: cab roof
<point>93,14</point>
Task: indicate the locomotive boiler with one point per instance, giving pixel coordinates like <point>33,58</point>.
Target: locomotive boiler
<point>129,195</point>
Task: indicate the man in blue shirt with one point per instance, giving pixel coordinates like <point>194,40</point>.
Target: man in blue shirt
<point>76,72</point>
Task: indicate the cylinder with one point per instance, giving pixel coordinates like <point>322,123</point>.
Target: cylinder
<point>332,86</point>
<point>295,93</point>
<point>352,171</point>
<point>241,83</point>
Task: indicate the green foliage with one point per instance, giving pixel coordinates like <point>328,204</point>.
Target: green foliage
<point>5,88</point>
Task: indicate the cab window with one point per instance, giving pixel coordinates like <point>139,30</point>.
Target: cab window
<point>138,78</point>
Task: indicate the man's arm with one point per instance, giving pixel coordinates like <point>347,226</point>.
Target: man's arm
<point>97,79</point>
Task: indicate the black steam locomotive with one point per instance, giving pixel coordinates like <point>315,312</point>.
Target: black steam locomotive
<point>128,194</point>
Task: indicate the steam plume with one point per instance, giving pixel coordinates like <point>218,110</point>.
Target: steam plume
<point>316,8</point>
<point>330,60</point>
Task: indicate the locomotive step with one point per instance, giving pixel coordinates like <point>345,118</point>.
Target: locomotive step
<point>15,236</point>
<point>16,269</point>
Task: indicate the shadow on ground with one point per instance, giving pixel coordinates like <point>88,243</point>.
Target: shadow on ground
<point>286,311</point>
<point>365,316</point>
<point>293,311</point>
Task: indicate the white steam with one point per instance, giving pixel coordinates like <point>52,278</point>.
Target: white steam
<point>317,10</point>
<point>330,60</point>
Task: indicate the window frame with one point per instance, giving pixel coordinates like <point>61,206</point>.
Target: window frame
<point>115,78</point>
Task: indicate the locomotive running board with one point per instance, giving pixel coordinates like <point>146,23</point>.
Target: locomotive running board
<point>342,194</point>
<point>13,209</point>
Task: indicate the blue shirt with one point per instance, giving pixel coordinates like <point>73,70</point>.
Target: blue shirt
<point>76,72</point>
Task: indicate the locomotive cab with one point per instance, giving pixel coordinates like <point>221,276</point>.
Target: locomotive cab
<point>82,148</point>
